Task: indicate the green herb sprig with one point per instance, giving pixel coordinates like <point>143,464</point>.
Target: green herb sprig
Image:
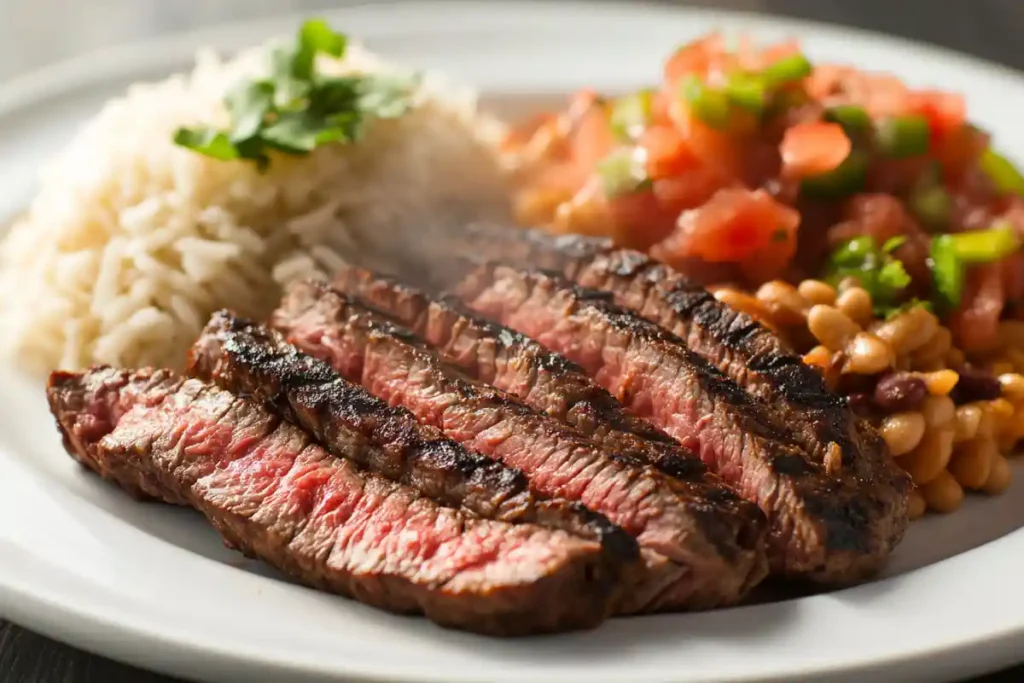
<point>877,270</point>
<point>295,109</point>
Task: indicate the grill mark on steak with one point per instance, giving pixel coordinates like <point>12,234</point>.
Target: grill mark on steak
<point>512,362</point>
<point>754,357</point>
<point>550,383</point>
<point>367,347</point>
<point>822,527</point>
<point>250,360</point>
<point>274,494</point>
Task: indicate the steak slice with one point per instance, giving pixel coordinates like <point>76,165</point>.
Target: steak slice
<point>683,567</point>
<point>248,359</point>
<point>515,363</point>
<point>822,525</point>
<point>746,351</point>
<point>274,494</point>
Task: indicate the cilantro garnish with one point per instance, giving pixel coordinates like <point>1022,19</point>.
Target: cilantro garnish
<point>296,109</point>
<point>877,270</point>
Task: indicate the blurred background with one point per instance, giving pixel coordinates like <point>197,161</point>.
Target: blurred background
<point>35,33</point>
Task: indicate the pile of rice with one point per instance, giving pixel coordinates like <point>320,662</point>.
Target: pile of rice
<point>132,241</point>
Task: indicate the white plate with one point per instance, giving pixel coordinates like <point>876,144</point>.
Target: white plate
<point>153,586</point>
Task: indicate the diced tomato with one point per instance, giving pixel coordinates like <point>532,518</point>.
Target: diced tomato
<point>640,220</point>
<point>689,190</point>
<point>712,147</point>
<point>946,112</point>
<point>698,57</point>
<point>592,139</point>
<point>813,148</point>
<point>734,226</point>
<point>976,323</point>
<point>666,151</point>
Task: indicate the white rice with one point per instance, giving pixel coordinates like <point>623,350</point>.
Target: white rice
<point>132,242</point>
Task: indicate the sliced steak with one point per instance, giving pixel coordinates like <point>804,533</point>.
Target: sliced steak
<point>823,526</point>
<point>512,362</point>
<point>250,360</point>
<point>747,352</point>
<point>684,568</point>
<point>274,494</point>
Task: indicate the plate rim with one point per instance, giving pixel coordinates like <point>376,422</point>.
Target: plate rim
<point>121,61</point>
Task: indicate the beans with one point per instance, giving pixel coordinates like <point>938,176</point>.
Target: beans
<point>966,422</point>
<point>902,432</point>
<point>1001,367</point>
<point>975,385</point>
<point>930,457</point>
<point>972,462</point>
<point>819,357</point>
<point>934,350</point>
<point>817,292</point>
<point>999,478</point>
<point>909,330</point>
<point>1012,385</point>
<point>744,303</point>
<point>1001,411</point>
<point>868,355</point>
<point>939,382</point>
<point>831,327</point>
<point>900,392</point>
<point>955,358</point>
<point>855,303</point>
<point>783,302</point>
<point>938,410</point>
<point>916,504</point>
<point>943,493</point>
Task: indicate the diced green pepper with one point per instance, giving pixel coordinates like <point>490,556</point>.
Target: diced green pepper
<point>903,136</point>
<point>748,91</point>
<point>709,105</point>
<point>786,70</point>
<point>947,274</point>
<point>1002,172</point>
<point>631,114</point>
<point>985,246</point>
<point>846,179</point>
<point>931,204</point>
<point>852,118</point>
<point>621,173</point>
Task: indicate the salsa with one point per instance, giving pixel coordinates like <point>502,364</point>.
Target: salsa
<point>746,164</point>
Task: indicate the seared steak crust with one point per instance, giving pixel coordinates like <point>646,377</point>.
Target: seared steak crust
<point>512,362</point>
<point>248,359</point>
<point>681,568</point>
<point>275,495</point>
<point>823,526</point>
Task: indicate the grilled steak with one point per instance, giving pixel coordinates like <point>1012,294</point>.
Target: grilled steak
<point>746,351</point>
<point>684,566</point>
<point>823,526</point>
<point>275,495</point>
<point>515,363</point>
<point>250,360</point>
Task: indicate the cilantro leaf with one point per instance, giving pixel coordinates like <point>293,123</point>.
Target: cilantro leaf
<point>295,109</point>
<point>206,141</point>
<point>386,95</point>
<point>879,273</point>
<point>248,104</point>
<point>316,36</point>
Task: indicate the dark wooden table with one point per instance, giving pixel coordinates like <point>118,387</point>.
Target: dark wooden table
<point>986,28</point>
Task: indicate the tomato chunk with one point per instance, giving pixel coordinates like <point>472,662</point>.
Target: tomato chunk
<point>731,227</point>
<point>813,148</point>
